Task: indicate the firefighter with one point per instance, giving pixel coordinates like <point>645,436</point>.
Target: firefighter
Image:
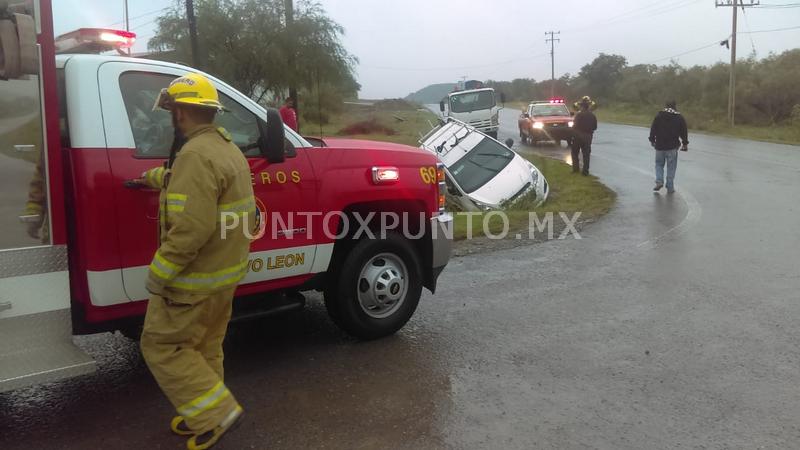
<point>206,205</point>
<point>36,207</point>
<point>583,128</point>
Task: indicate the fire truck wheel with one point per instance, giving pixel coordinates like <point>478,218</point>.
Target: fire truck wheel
<point>377,287</point>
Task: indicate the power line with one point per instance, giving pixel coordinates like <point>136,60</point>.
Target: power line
<point>770,31</point>
<point>431,69</point>
<point>140,16</point>
<point>715,43</point>
<point>747,26</point>
<point>718,42</point>
<point>144,24</point>
<point>641,13</point>
<point>774,6</point>
<point>658,3</point>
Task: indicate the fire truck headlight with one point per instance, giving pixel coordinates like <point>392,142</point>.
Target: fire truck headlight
<point>570,124</point>
<point>538,125</point>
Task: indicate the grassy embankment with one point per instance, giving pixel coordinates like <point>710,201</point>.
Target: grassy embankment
<point>698,122</point>
<point>388,120</point>
<point>569,193</point>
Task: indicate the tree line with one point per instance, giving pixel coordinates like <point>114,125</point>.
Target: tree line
<point>767,90</point>
<point>248,44</point>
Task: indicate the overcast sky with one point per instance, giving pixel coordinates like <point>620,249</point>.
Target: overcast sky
<point>405,45</point>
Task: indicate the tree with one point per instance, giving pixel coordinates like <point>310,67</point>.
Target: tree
<point>245,44</point>
<point>602,75</point>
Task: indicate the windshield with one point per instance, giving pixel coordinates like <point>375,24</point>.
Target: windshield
<point>481,164</point>
<point>549,110</point>
<point>472,101</point>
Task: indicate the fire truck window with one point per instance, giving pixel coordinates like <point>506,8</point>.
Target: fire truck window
<point>23,183</point>
<point>240,123</point>
<point>152,130</point>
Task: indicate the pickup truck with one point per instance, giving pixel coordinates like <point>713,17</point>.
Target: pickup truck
<point>75,261</point>
<point>546,121</point>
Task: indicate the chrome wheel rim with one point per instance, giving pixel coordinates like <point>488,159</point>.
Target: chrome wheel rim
<point>382,285</point>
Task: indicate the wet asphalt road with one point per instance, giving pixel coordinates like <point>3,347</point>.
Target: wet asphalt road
<point>671,324</point>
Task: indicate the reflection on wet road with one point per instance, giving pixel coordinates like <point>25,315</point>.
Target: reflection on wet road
<point>670,324</point>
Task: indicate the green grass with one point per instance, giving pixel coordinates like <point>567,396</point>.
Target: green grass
<point>781,134</point>
<point>407,124</point>
<point>569,193</point>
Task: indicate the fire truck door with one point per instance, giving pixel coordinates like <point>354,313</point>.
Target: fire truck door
<point>35,320</point>
<point>140,138</point>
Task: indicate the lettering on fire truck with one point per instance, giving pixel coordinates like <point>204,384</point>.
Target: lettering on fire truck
<point>278,262</point>
<point>279,177</point>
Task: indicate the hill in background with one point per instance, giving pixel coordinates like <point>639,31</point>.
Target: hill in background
<point>431,94</point>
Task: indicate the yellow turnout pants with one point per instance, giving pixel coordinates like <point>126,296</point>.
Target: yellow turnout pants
<point>182,345</point>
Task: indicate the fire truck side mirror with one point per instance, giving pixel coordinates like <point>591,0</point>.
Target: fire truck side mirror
<point>503,98</point>
<point>441,106</point>
<point>271,143</point>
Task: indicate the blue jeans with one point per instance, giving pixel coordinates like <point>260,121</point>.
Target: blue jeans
<point>670,157</point>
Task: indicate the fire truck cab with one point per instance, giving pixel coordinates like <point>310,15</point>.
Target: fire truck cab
<point>78,235</point>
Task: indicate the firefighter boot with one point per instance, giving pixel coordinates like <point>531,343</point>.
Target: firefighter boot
<point>209,438</point>
<point>179,427</point>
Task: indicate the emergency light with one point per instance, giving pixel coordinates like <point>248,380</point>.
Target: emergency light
<point>557,100</point>
<point>94,40</point>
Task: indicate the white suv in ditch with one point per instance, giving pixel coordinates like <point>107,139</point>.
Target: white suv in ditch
<point>481,172</point>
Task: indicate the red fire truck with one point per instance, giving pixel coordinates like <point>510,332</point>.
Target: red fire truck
<point>78,235</point>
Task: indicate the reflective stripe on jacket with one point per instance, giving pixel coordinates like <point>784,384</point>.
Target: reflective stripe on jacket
<point>205,204</point>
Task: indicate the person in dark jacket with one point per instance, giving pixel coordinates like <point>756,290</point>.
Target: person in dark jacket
<point>667,134</point>
<point>583,128</point>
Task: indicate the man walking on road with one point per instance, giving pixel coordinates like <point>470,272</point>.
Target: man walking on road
<point>195,271</point>
<point>667,133</point>
<point>583,127</point>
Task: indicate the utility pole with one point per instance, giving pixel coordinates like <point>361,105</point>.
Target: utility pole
<point>196,59</point>
<point>734,4</point>
<point>127,22</point>
<point>552,40</point>
<point>288,6</point>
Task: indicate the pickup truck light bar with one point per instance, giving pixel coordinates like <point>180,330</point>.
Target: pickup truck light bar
<point>94,40</point>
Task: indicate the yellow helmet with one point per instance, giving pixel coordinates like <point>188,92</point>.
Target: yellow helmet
<point>585,100</point>
<point>191,89</point>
